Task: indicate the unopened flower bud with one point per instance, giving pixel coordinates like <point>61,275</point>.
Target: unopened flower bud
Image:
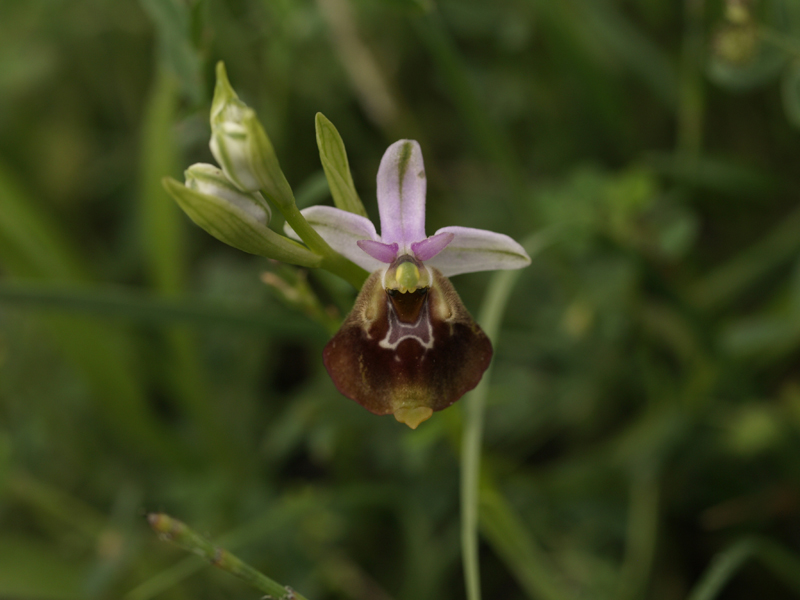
<point>241,146</point>
<point>211,181</point>
<point>238,218</point>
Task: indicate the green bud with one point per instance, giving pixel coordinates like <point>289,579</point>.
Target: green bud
<point>211,181</point>
<point>241,146</point>
<point>237,218</point>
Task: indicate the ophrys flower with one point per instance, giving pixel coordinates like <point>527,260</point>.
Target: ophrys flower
<point>409,347</point>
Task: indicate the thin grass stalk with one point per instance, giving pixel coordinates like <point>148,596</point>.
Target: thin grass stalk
<point>784,564</point>
<point>183,536</point>
<point>490,318</point>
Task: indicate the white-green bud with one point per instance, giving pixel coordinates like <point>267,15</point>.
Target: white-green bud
<point>211,181</point>
<point>241,146</point>
<point>239,219</point>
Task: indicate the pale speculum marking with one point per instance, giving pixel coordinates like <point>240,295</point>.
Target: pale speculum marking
<point>421,330</point>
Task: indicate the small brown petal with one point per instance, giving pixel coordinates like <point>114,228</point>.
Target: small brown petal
<point>407,354</point>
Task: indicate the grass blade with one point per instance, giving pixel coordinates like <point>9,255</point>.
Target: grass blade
<point>781,562</point>
<point>500,287</point>
<point>32,246</point>
<point>138,307</point>
<point>727,282</point>
<point>162,226</point>
<point>508,537</point>
<point>181,535</point>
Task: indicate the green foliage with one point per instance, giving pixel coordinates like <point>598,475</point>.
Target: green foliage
<point>334,161</point>
<point>642,421</point>
<point>172,21</point>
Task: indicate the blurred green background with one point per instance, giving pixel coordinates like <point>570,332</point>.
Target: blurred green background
<point>643,419</point>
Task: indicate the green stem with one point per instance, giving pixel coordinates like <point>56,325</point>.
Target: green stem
<point>691,96</point>
<point>781,562</point>
<point>489,319</point>
<point>510,539</point>
<point>140,307</point>
<point>642,536</point>
<point>488,137</point>
<point>726,283</point>
<point>331,261</point>
<point>55,503</point>
<point>183,536</point>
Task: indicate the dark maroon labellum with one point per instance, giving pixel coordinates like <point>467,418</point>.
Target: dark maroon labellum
<point>407,353</point>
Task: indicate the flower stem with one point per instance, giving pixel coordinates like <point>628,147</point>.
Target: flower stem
<point>691,94</point>
<point>182,535</point>
<point>776,558</point>
<point>331,261</point>
<point>489,319</point>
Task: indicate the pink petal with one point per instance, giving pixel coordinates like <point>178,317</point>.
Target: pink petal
<point>478,250</point>
<point>401,194</point>
<point>383,252</point>
<point>430,247</point>
<point>342,230</point>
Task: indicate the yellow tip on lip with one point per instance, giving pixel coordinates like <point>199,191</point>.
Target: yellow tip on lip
<point>413,416</point>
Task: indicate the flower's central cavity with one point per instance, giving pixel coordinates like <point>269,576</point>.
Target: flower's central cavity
<point>407,283</point>
<point>408,307</point>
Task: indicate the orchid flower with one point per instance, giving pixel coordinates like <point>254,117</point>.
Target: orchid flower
<point>409,347</point>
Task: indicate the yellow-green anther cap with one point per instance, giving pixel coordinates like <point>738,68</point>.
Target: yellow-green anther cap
<point>407,276</point>
<point>241,146</point>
